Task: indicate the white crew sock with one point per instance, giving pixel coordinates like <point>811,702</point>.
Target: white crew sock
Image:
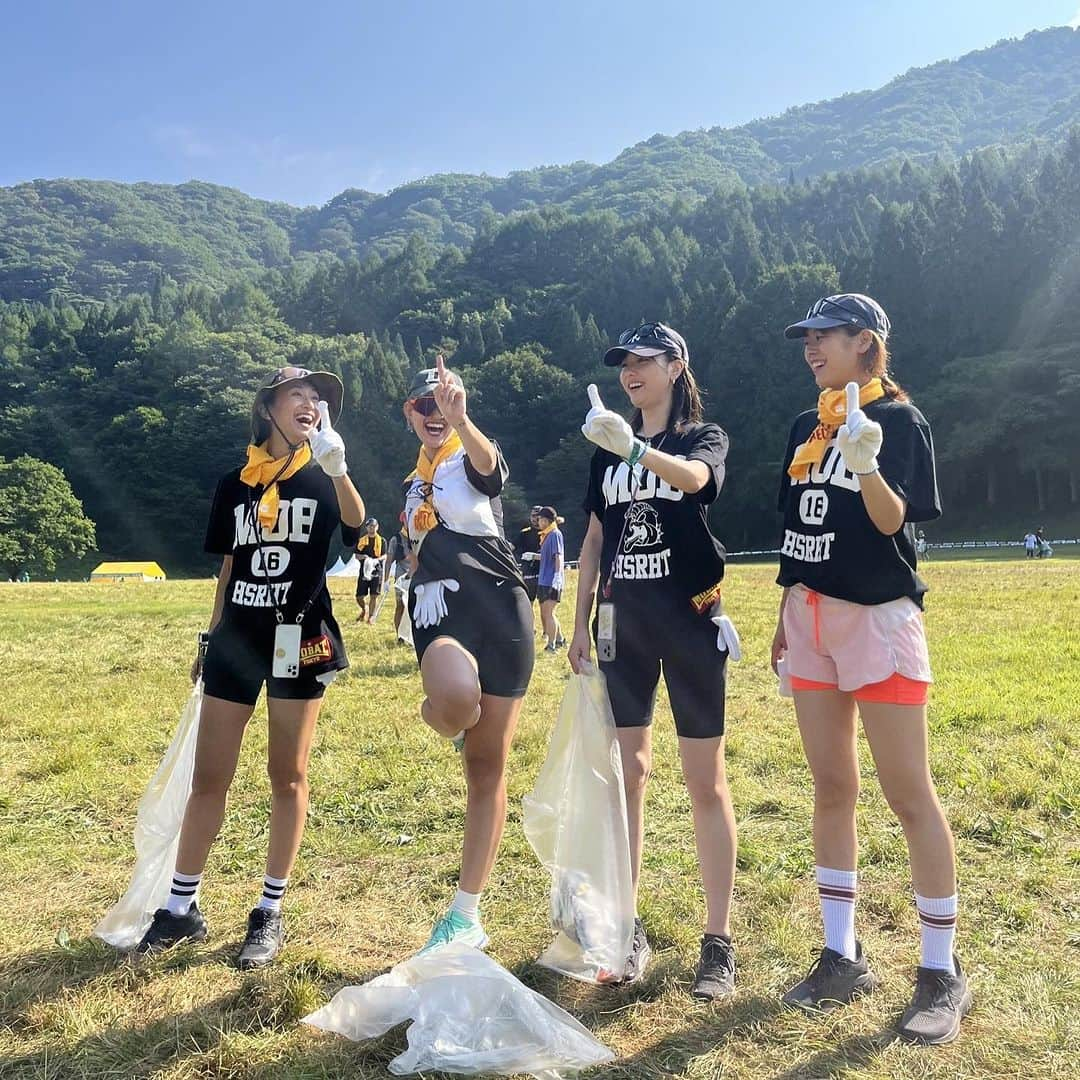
<point>836,891</point>
<point>937,922</point>
<point>273,891</point>
<point>467,904</point>
<point>184,893</point>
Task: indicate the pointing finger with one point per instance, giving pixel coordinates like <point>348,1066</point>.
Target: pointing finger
<point>594,396</point>
<point>440,367</point>
<point>852,390</point>
<point>324,417</point>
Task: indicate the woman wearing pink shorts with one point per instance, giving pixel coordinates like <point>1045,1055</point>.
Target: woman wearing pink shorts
<point>858,472</point>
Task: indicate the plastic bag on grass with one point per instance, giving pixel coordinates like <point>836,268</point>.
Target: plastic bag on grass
<point>470,1015</point>
<point>157,834</point>
<point>575,820</point>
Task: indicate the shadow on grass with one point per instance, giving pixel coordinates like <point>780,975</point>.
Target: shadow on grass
<point>838,1060</point>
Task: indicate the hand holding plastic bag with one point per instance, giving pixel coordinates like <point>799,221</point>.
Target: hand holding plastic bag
<point>575,820</point>
<point>157,834</point>
<point>469,1016</point>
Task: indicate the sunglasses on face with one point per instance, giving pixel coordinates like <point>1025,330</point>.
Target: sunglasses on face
<point>425,406</point>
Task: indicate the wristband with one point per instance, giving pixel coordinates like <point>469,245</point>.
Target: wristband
<point>637,452</point>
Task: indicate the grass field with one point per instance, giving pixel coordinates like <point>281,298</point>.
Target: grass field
<point>91,686</point>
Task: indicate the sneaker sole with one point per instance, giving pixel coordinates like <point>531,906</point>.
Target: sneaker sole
<point>646,956</point>
<point>482,944</point>
<point>165,946</point>
<point>867,985</point>
<point>950,1036</point>
<point>702,995</point>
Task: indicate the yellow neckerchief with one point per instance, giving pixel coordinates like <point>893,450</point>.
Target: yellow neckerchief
<point>831,410</point>
<point>261,469</point>
<point>424,517</point>
<point>543,533</point>
<point>377,553</point>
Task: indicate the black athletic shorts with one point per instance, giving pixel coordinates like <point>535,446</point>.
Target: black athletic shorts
<point>681,644</point>
<point>546,592</point>
<point>369,588</point>
<point>238,663</point>
<point>531,585</point>
<point>492,619</point>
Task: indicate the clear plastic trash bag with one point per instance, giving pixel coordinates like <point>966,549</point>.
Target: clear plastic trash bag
<point>405,626</point>
<point>470,1015</point>
<point>575,820</point>
<point>157,834</point>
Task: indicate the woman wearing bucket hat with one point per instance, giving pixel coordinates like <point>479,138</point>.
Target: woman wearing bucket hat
<point>858,472</point>
<point>272,520</point>
<point>472,620</point>
<point>659,566</point>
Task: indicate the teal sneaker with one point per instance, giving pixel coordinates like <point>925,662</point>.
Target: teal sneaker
<point>454,926</point>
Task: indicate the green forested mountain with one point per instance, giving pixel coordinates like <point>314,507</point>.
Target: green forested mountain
<point>142,401</point>
<point>80,238</point>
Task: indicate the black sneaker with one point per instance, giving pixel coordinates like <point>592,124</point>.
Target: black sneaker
<point>940,1002</point>
<point>715,975</point>
<point>640,954</point>
<point>265,936</point>
<point>832,980</point>
<point>168,929</point>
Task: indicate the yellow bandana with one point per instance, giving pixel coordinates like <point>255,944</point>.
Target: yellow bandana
<point>543,533</point>
<point>424,517</point>
<point>261,469</point>
<point>831,410</point>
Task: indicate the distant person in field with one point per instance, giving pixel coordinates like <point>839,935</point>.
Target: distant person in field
<point>1031,542</point>
<point>550,579</point>
<point>660,569</point>
<point>527,549</point>
<point>273,521</point>
<point>371,551</point>
<point>471,618</point>
<point>858,471</point>
<point>397,561</point>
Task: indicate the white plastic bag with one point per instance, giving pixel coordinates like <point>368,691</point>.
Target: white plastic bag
<point>575,820</point>
<point>157,834</point>
<point>470,1015</point>
<point>405,626</point>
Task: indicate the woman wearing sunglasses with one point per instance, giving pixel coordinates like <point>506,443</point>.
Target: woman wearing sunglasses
<point>858,472</point>
<point>272,521</point>
<point>659,567</point>
<point>472,621</point>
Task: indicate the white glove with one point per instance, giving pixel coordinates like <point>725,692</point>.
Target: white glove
<point>610,431</point>
<point>859,439</point>
<point>327,446</point>
<point>431,601</point>
<point>727,637</point>
<point>530,556</point>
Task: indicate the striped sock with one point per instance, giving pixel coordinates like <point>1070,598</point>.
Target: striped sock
<point>467,904</point>
<point>836,891</point>
<point>273,891</point>
<point>937,922</point>
<point>184,893</point>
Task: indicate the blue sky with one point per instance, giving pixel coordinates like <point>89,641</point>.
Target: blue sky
<point>298,101</point>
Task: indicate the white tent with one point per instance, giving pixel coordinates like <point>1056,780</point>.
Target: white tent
<point>351,569</point>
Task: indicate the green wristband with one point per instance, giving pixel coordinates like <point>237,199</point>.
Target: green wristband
<point>637,452</point>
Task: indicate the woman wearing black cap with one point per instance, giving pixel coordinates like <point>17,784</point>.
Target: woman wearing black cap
<point>859,470</point>
<point>272,521</point>
<point>472,621</point>
<point>371,551</point>
<point>660,569</point>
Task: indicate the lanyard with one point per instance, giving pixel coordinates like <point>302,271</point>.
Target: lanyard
<point>636,472</point>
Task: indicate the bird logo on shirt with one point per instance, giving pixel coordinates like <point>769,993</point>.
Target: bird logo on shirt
<point>642,527</point>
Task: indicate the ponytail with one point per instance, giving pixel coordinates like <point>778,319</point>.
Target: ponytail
<point>876,362</point>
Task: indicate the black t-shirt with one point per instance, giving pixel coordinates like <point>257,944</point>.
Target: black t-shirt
<point>667,551</point>
<point>528,543</point>
<point>287,570</point>
<point>829,543</point>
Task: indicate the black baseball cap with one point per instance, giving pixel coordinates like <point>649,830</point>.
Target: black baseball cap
<point>424,382</point>
<point>648,339</point>
<point>843,309</point>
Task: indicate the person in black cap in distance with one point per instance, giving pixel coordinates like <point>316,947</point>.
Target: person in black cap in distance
<point>272,522</point>
<point>527,549</point>
<point>370,549</point>
<point>660,568</point>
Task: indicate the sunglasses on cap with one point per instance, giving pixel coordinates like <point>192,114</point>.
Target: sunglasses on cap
<point>425,406</point>
<point>653,334</point>
<point>287,374</point>
<point>827,307</point>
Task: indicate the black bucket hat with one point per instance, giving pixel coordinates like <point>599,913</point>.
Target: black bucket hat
<point>326,383</point>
